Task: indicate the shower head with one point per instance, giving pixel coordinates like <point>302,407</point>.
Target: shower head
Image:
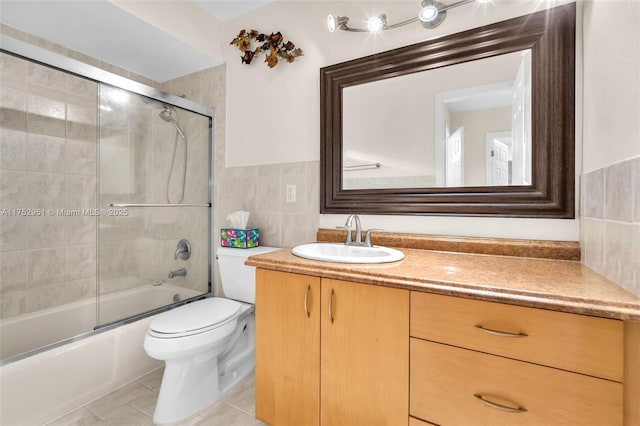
<point>166,114</point>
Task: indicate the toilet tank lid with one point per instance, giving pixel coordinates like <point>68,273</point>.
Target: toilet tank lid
<point>228,251</point>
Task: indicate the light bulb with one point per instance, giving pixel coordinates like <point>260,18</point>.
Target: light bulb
<point>428,13</point>
<point>377,23</point>
<point>331,23</point>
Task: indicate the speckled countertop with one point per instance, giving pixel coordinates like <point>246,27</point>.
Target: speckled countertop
<point>559,285</point>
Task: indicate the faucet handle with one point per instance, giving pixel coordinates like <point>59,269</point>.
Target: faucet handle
<point>348,229</point>
<point>367,237</point>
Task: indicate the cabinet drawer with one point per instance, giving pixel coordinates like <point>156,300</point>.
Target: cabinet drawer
<point>579,343</point>
<point>448,382</point>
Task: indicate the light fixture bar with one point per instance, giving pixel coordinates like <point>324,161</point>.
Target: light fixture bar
<point>342,22</point>
<point>456,4</point>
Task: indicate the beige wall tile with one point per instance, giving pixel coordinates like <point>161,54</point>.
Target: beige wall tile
<point>12,67</point>
<point>618,192</point>
<point>46,231</point>
<point>594,194</point>
<point>269,189</point>
<point>81,229</point>
<point>13,190</point>
<point>593,244</point>
<point>12,150</point>
<point>13,271</point>
<point>81,289</point>
<point>45,153</point>
<point>298,229</point>
<point>618,253</point>
<point>12,119</point>
<point>81,262</point>
<point>81,157</point>
<point>83,87</point>
<point>270,227</point>
<point>46,266</point>
<point>13,233</point>
<point>13,96</point>
<point>46,77</point>
<point>51,106</point>
<point>82,192</point>
<point>48,296</point>
<point>13,304</point>
<point>47,190</point>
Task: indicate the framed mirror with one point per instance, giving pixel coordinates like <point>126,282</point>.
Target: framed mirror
<point>478,123</point>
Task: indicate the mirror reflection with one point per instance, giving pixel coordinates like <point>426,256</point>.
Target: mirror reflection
<point>467,124</point>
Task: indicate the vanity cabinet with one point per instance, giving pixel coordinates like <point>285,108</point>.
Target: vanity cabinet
<point>476,362</point>
<point>287,348</point>
<point>330,352</point>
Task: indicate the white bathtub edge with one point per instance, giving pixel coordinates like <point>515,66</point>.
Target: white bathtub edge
<point>48,385</point>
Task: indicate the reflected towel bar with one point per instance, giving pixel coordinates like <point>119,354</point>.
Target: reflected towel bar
<point>159,205</point>
<point>362,167</point>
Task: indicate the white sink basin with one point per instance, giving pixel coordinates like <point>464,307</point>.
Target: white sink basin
<point>342,253</point>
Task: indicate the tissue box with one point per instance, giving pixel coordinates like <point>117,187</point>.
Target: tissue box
<point>239,238</point>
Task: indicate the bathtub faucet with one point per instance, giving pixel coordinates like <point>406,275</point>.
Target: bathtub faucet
<point>178,273</point>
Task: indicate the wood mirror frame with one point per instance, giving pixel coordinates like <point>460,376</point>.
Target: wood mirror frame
<point>550,34</point>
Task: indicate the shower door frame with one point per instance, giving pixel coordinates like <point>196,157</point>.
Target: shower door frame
<point>29,52</point>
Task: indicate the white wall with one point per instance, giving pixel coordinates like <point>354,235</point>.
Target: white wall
<point>612,82</point>
<point>273,114</point>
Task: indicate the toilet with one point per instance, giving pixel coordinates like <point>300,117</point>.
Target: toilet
<point>209,345</point>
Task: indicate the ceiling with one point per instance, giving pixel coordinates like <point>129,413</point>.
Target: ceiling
<point>100,29</point>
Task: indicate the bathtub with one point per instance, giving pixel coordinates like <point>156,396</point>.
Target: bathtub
<point>50,383</point>
<point>26,332</point>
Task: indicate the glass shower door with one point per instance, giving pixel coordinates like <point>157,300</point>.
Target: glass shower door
<point>154,166</point>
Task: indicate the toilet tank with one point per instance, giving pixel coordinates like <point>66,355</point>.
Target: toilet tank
<point>238,279</point>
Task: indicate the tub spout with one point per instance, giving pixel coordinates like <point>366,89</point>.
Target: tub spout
<point>178,273</point>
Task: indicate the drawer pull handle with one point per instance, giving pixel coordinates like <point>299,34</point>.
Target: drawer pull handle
<point>331,307</point>
<point>499,406</point>
<point>500,333</point>
<point>306,299</point>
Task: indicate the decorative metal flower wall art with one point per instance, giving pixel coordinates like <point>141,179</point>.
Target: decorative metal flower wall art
<point>273,45</point>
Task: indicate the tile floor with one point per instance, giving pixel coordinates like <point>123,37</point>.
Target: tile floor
<point>133,405</point>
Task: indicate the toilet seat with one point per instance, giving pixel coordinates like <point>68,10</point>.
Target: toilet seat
<point>195,318</point>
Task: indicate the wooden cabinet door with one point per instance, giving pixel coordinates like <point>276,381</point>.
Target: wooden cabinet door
<point>287,348</point>
<point>364,355</point>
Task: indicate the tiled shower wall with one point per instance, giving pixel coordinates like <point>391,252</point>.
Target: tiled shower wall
<point>48,162</point>
<point>610,222</point>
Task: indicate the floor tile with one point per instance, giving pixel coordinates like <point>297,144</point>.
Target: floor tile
<point>222,414</point>
<point>80,417</point>
<point>152,380</point>
<point>128,416</point>
<point>134,404</point>
<point>111,404</point>
<point>146,403</point>
<point>243,397</point>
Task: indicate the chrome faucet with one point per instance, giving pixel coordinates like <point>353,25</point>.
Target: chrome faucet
<point>358,242</point>
<point>348,225</point>
<point>182,272</point>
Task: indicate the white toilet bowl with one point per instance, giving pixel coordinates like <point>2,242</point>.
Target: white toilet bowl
<point>208,346</point>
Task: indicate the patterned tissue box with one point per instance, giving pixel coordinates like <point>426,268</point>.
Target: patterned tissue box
<point>239,238</point>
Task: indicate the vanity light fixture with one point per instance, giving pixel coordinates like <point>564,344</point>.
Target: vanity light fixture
<point>431,14</point>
